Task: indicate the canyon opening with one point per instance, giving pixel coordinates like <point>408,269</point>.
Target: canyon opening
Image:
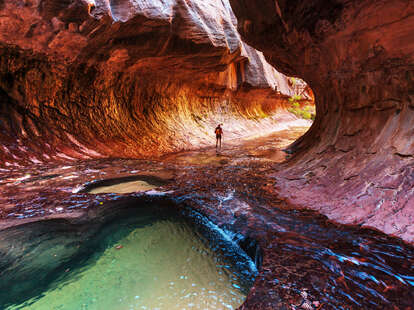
<point>117,190</point>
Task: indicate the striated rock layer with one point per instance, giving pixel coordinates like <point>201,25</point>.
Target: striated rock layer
<point>87,79</point>
<point>356,162</point>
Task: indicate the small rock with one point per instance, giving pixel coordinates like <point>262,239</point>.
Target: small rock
<point>304,294</point>
<point>57,24</point>
<point>306,305</point>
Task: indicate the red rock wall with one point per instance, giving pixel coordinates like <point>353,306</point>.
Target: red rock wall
<point>84,79</point>
<point>355,163</point>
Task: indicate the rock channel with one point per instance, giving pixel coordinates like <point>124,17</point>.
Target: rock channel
<point>355,164</point>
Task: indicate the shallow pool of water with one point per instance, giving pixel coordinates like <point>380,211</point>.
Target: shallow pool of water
<point>124,188</point>
<point>135,262</point>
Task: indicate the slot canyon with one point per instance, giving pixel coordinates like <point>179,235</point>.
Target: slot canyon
<point>115,195</point>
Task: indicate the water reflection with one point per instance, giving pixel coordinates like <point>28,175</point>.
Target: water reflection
<point>307,262</point>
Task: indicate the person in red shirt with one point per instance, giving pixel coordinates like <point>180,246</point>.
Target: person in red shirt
<point>219,133</point>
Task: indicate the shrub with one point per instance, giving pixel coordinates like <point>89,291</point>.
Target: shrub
<point>305,112</point>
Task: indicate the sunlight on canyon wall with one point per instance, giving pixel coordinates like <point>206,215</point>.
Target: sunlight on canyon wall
<point>124,79</point>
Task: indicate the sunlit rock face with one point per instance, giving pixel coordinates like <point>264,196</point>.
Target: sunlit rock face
<point>355,164</point>
<point>87,79</point>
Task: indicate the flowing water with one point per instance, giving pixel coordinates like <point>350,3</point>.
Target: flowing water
<point>166,262</point>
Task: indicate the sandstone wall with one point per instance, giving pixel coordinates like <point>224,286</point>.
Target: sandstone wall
<point>356,162</point>
<point>84,79</point>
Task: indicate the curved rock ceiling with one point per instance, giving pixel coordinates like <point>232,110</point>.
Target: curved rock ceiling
<point>88,79</point>
<point>85,79</point>
<point>125,78</point>
<point>356,162</point>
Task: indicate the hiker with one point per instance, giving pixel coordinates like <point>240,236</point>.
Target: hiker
<point>219,134</point>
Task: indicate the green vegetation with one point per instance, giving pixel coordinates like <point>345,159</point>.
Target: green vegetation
<point>295,98</point>
<point>304,110</point>
<point>293,81</point>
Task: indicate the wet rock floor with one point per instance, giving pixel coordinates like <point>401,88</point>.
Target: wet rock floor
<point>308,261</point>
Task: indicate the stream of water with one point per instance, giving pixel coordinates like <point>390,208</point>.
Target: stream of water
<point>308,262</point>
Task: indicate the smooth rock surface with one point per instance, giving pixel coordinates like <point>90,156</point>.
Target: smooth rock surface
<point>356,162</point>
<point>90,79</point>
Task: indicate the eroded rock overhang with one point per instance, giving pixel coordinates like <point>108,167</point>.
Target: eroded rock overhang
<point>356,162</point>
<point>88,79</point>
